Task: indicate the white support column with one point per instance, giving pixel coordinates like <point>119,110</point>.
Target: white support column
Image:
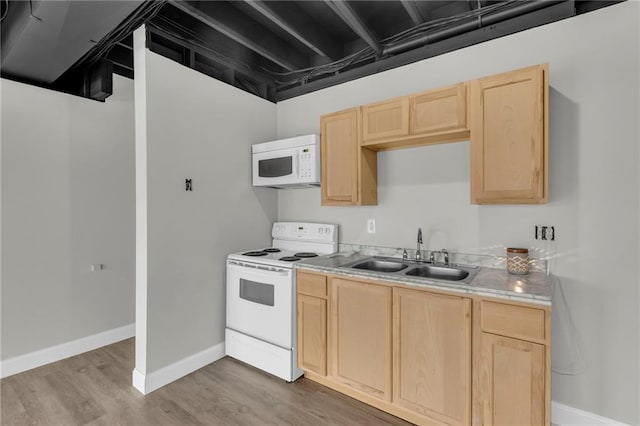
<point>140,84</point>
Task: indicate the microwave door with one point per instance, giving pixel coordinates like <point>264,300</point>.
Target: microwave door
<point>275,167</point>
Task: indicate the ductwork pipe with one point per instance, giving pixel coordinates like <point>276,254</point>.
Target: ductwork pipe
<point>489,19</point>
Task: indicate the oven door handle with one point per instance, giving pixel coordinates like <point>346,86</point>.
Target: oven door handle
<point>238,266</point>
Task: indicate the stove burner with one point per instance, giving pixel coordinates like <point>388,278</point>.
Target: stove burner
<point>255,253</point>
<point>305,254</point>
<point>290,258</point>
<point>272,250</point>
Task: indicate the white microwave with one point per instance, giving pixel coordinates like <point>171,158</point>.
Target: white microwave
<point>287,163</point>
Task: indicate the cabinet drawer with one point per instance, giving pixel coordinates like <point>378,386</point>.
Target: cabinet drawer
<point>514,321</point>
<point>312,284</point>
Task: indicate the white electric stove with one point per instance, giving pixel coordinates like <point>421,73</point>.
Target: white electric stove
<point>261,296</point>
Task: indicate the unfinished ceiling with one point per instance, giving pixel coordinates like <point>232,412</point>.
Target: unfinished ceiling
<point>273,49</point>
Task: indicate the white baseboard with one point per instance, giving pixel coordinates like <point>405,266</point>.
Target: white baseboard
<point>35,359</point>
<point>138,381</point>
<point>564,415</point>
<point>150,382</point>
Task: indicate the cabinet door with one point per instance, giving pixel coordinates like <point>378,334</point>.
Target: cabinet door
<point>438,111</point>
<point>432,355</point>
<point>339,157</point>
<point>383,120</point>
<point>360,336</point>
<point>513,381</point>
<point>509,137</point>
<point>312,334</point>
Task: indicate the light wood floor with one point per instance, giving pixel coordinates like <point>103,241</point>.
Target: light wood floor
<point>95,389</point>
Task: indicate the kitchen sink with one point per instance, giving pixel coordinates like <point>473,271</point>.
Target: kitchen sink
<point>381,265</point>
<point>439,272</point>
<point>398,267</point>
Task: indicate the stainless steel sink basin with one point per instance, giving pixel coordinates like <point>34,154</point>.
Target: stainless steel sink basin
<point>381,265</point>
<point>398,267</point>
<point>439,272</point>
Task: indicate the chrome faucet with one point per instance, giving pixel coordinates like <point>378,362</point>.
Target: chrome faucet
<point>418,254</point>
<point>445,254</point>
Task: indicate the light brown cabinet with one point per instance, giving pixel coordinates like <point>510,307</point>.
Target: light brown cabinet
<point>312,334</point>
<point>312,322</point>
<point>384,120</point>
<point>439,111</point>
<point>427,356</point>
<point>348,173</point>
<point>434,116</point>
<point>514,365</point>
<point>506,117</point>
<point>360,336</point>
<point>432,355</point>
<point>513,381</point>
<point>509,137</point>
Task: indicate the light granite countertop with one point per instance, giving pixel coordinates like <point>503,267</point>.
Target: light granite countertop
<point>534,287</point>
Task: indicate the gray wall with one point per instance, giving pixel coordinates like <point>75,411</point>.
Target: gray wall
<point>67,203</point>
<point>594,181</point>
<point>199,128</point>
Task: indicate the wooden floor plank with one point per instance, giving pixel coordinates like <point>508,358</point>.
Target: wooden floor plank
<point>38,398</point>
<point>95,389</point>
<point>10,405</point>
<point>80,404</point>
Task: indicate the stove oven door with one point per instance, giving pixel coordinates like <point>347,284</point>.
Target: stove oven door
<point>260,302</point>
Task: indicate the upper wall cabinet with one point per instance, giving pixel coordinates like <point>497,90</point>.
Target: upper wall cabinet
<point>509,137</point>
<point>439,111</point>
<point>348,173</point>
<point>431,117</point>
<point>506,117</point>
<point>384,120</point>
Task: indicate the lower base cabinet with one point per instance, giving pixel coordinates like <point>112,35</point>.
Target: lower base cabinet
<point>360,336</point>
<point>430,357</point>
<point>312,334</point>
<point>513,381</point>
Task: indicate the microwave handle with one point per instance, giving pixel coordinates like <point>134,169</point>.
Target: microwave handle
<point>296,163</point>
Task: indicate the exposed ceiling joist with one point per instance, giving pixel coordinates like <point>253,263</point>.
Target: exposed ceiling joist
<point>308,35</point>
<point>121,44</point>
<point>273,49</point>
<point>218,59</point>
<point>555,12</point>
<point>413,11</point>
<point>125,72</point>
<point>121,56</point>
<point>222,20</point>
<point>346,13</point>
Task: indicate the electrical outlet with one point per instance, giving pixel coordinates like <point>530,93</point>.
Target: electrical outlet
<point>545,233</point>
<point>371,226</point>
<point>97,267</point>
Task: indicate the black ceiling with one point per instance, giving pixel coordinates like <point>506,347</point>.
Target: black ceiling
<point>274,49</point>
